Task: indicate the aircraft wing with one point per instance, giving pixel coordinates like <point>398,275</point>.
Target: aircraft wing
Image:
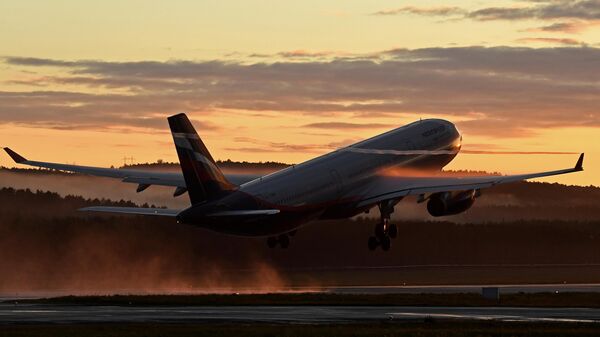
<point>129,176</point>
<point>242,213</point>
<point>392,187</point>
<point>143,178</point>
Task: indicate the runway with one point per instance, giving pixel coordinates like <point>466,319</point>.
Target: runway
<point>63,314</point>
<point>467,289</point>
<point>26,313</point>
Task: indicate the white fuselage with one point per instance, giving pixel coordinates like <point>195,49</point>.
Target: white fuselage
<point>334,175</point>
<point>330,186</point>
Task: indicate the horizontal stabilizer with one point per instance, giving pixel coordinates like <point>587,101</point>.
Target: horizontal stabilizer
<point>246,212</point>
<point>133,210</point>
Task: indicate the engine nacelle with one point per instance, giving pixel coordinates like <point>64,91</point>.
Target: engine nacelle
<point>450,203</point>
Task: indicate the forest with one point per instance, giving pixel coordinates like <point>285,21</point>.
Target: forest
<point>522,232</point>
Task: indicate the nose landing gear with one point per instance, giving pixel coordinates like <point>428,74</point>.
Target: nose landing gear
<point>384,230</point>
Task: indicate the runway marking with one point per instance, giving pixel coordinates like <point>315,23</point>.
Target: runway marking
<point>507,318</point>
<point>36,311</point>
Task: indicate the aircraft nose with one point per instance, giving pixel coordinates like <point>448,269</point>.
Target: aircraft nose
<point>453,127</point>
<point>450,126</point>
<point>457,143</point>
<point>453,133</point>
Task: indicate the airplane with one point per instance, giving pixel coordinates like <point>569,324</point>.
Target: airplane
<point>339,184</point>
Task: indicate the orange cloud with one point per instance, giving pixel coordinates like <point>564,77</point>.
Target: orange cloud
<point>564,41</point>
<point>570,27</point>
<point>441,10</point>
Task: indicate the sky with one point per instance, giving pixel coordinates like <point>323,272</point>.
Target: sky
<point>91,82</point>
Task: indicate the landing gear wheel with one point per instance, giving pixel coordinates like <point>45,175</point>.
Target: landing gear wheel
<point>373,243</point>
<point>384,230</point>
<point>272,242</point>
<point>386,243</point>
<point>393,231</point>
<point>284,241</point>
<point>380,230</point>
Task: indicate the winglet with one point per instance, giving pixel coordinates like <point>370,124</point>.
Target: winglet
<point>15,156</point>
<point>579,165</point>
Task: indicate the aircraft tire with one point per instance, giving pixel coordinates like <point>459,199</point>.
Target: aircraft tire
<point>393,231</point>
<point>386,243</point>
<point>379,231</point>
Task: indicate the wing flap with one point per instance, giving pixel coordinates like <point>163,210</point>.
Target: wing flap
<point>133,210</point>
<point>165,181</point>
<point>252,212</point>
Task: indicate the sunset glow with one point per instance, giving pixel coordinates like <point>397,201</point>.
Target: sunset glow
<point>287,81</point>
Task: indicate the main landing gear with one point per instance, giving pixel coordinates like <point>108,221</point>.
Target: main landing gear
<point>384,230</point>
<point>282,239</point>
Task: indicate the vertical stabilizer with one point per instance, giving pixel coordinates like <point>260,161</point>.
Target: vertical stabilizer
<point>203,179</point>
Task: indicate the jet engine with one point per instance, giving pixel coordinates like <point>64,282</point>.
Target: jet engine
<point>450,203</point>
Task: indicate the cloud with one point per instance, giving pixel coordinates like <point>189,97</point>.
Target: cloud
<point>557,9</point>
<point>564,27</point>
<point>305,53</point>
<point>563,41</point>
<point>344,125</point>
<point>571,27</point>
<point>268,146</point>
<point>253,149</point>
<point>432,11</point>
<point>67,110</point>
<point>34,61</point>
<point>500,91</point>
<point>580,14</point>
<point>546,9</point>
